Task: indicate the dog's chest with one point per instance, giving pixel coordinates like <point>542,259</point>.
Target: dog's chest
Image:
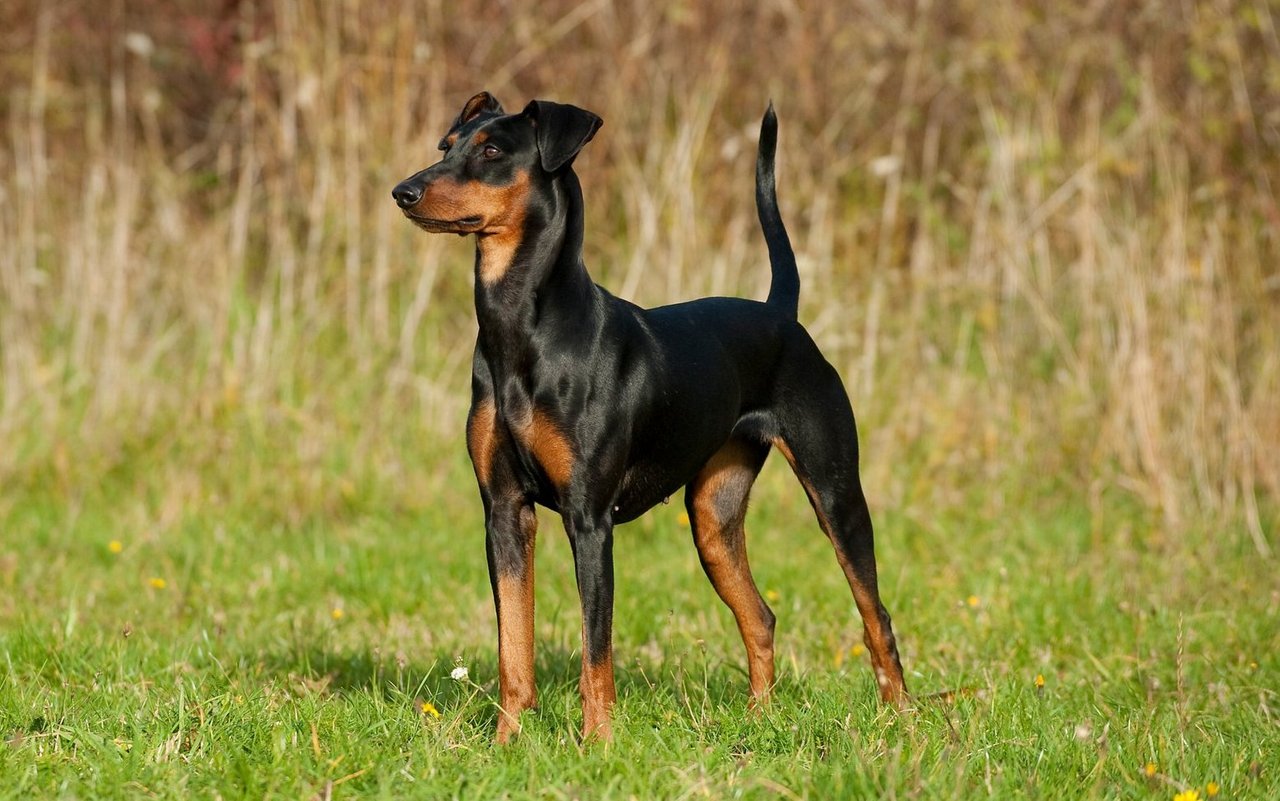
<point>543,446</point>
<point>510,438</point>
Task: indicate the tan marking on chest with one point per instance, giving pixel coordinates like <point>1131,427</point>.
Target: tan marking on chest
<point>482,439</point>
<point>549,446</point>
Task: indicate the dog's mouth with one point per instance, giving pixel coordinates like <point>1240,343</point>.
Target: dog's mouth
<point>462,227</point>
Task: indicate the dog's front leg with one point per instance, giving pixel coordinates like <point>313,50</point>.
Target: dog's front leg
<point>511,527</point>
<point>591,537</point>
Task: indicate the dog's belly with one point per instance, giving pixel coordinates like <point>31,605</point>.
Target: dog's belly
<point>644,486</point>
<point>642,489</point>
<point>668,464</point>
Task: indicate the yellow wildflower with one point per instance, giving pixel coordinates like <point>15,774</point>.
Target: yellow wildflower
<point>683,519</point>
<point>772,595</point>
<point>972,601</point>
<point>1039,681</point>
<point>1188,795</point>
<point>1149,770</point>
<point>428,708</point>
<point>857,650</point>
<point>337,613</point>
<point>158,583</point>
<point>115,546</point>
<point>1211,789</point>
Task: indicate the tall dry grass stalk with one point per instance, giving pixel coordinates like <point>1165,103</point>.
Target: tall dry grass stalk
<point>1040,242</point>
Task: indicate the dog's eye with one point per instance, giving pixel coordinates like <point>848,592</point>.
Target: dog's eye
<point>490,152</point>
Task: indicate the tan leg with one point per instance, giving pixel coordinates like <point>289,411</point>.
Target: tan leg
<point>513,595</point>
<point>598,695</point>
<point>717,503</point>
<point>592,541</point>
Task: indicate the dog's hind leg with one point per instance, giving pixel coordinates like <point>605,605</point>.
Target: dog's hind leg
<point>817,435</point>
<point>716,500</point>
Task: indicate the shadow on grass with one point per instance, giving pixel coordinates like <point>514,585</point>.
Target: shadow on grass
<point>678,682</point>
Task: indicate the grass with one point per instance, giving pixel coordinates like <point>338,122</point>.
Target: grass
<point>291,659</point>
<point>1038,240</point>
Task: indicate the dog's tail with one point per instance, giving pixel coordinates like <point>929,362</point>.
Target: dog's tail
<point>784,290</point>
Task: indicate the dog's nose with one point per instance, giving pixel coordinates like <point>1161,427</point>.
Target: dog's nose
<point>406,194</point>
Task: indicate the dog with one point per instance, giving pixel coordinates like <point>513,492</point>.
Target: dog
<point>598,409</point>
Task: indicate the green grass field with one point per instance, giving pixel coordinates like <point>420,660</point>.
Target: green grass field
<point>245,655</point>
<point>241,551</point>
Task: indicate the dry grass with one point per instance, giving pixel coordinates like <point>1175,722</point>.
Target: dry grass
<point>1039,241</point>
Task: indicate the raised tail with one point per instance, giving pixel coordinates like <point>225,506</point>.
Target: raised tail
<point>784,290</point>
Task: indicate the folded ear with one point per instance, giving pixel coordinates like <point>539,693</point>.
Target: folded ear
<point>562,130</point>
<point>483,103</point>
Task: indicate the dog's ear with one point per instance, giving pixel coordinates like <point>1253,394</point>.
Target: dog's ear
<point>483,103</point>
<point>561,130</point>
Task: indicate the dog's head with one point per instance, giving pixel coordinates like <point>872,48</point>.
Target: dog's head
<point>491,161</point>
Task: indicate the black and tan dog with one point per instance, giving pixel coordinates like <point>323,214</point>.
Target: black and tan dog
<point>598,409</point>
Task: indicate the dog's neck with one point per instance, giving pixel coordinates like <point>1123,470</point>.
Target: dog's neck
<point>537,279</point>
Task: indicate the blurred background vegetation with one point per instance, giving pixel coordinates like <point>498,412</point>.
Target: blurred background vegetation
<point>1039,239</point>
